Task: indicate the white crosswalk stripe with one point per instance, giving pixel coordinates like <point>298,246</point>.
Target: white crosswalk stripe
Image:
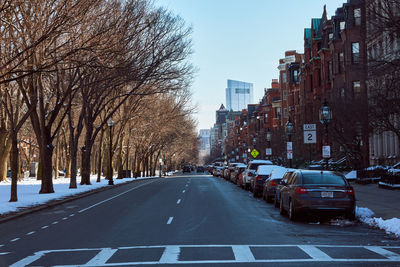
<point>197,254</point>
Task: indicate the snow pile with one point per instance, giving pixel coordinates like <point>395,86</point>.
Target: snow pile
<point>28,191</point>
<point>391,226</point>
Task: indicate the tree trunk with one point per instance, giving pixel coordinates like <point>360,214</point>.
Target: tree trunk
<point>46,155</point>
<point>86,153</point>
<point>57,155</point>
<point>73,151</point>
<point>5,148</point>
<point>119,158</point>
<point>100,157</point>
<point>14,168</point>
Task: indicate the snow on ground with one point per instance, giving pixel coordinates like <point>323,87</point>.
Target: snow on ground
<point>28,191</point>
<point>391,226</point>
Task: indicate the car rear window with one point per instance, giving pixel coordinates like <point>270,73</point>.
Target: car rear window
<point>326,179</point>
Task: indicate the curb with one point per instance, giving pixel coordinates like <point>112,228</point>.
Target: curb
<point>52,203</point>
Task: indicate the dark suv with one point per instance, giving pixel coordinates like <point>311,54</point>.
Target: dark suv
<point>309,191</point>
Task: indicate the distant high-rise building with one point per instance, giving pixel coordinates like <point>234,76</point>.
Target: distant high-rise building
<point>205,140</point>
<point>238,95</point>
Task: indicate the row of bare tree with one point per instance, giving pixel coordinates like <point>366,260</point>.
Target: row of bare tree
<point>68,66</point>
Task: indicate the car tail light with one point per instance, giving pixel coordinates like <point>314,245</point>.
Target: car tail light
<point>350,191</point>
<point>273,183</point>
<point>258,177</point>
<point>301,190</point>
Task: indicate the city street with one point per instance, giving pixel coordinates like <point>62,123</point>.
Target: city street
<point>192,219</point>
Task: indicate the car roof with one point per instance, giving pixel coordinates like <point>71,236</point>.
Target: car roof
<point>278,172</point>
<point>258,161</point>
<point>266,169</point>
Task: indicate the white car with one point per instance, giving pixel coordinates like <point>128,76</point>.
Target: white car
<point>251,170</point>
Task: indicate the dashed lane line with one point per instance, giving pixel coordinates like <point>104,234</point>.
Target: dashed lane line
<point>31,233</point>
<point>178,202</point>
<point>55,222</point>
<point>44,227</point>
<point>65,218</point>
<point>108,199</point>
<point>15,239</point>
<point>170,220</point>
<point>72,215</point>
<point>183,191</point>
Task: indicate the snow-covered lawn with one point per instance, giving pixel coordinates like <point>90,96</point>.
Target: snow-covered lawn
<point>391,226</point>
<point>28,191</point>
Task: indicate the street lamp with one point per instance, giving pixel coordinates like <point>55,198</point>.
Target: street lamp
<point>289,147</point>
<point>110,124</point>
<point>325,117</point>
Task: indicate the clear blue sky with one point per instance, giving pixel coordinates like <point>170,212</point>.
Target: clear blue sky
<point>242,40</point>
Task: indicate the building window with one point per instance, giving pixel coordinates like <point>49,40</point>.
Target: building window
<point>330,36</point>
<point>342,25</point>
<point>357,16</point>
<point>295,76</point>
<point>341,62</point>
<point>285,113</point>
<point>355,52</point>
<point>278,113</point>
<point>342,93</point>
<point>356,88</point>
<point>329,70</point>
<point>284,77</point>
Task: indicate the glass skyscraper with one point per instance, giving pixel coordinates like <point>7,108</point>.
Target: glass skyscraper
<point>238,95</point>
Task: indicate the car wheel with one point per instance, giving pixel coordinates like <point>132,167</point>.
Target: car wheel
<point>276,203</point>
<point>292,213</point>
<point>268,198</point>
<point>255,194</point>
<point>351,216</point>
<point>281,209</point>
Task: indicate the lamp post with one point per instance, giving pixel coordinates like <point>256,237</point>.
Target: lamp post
<point>289,147</point>
<point>325,117</point>
<point>110,124</point>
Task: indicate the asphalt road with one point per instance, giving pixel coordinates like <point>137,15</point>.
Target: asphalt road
<point>191,220</point>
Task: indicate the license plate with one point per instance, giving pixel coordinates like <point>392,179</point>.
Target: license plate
<point>327,194</point>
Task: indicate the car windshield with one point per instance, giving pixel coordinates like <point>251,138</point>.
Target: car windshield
<point>323,179</point>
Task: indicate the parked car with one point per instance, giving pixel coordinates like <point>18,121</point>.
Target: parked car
<point>250,171</point>
<point>186,169</point>
<point>217,171</point>
<point>278,188</point>
<point>260,176</point>
<point>270,184</point>
<point>229,170</point>
<point>200,169</point>
<point>238,169</point>
<point>309,191</point>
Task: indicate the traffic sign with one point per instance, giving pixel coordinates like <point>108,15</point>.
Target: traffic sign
<point>326,152</point>
<point>268,151</point>
<point>254,153</point>
<point>310,133</point>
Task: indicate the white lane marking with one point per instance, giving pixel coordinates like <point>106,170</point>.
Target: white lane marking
<point>30,233</point>
<point>183,191</point>
<point>170,254</point>
<point>170,220</point>
<point>315,253</point>
<point>108,199</point>
<point>4,253</point>
<point>187,185</point>
<point>1,246</point>
<point>179,201</point>
<point>44,227</point>
<point>15,239</point>
<point>55,222</point>
<point>384,252</point>
<point>28,260</point>
<point>72,215</point>
<point>65,218</point>
<point>243,254</point>
<point>102,257</point>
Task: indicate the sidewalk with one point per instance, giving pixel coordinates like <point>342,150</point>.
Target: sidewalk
<point>384,203</point>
